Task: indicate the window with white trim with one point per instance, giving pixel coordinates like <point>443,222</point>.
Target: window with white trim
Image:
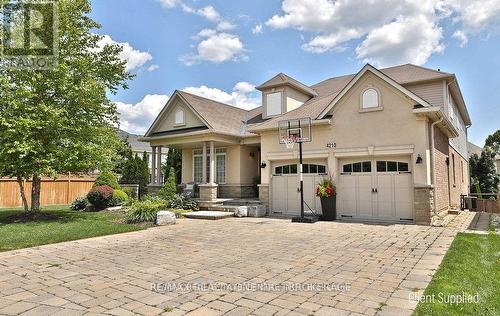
<point>179,116</point>
<point>220,165</point>
<point>370,99</point>
<point>273,101</point>
<point>197,167</point>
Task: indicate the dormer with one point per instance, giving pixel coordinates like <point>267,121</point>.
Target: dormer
<point>282,94</point>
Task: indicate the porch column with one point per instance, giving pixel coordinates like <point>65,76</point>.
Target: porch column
<point>158,166</point>
<point>212,163</point>
<point>153,165</point>
<point>204,163</point>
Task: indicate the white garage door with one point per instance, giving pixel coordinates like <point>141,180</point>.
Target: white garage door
<point>285,190</point>
<point>378,189</point>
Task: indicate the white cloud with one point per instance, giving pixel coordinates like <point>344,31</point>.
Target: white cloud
<point>153,68</point>
<point>243,95</point>
<point>169,3</point>
<point>136,118</point>
<point>209,13</point>
<point>474,16</point>
<point>257,29</point>
<point>461,37</point>
<point>225,26</point>
<point>398,42</point>
<point>216,48</point>
<point>383,26</point>
<point>133,57</point>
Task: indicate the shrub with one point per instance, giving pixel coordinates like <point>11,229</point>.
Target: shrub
<point>145,211</point>
<point>169,188</point>
<point>119,198</point>
<point>79,204</point>
<point>136,171</point>
<point>183,202</point>
<point>107,178</point>
<point>100,196</point>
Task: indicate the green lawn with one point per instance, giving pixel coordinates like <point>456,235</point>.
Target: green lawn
<point>63,224</point>
<point>471,266</point>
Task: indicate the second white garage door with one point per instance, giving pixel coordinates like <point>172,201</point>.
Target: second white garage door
<point>285,188</point>
<point>379,189</point>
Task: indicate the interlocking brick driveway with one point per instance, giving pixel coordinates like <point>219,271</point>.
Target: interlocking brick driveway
<point>114,274</point>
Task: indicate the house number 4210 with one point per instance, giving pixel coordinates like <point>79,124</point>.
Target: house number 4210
<point>331,145</point>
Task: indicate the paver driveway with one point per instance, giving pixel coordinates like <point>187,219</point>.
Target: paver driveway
<point>114,274</point>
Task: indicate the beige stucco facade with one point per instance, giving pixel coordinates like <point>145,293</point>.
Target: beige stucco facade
<point>403,128</point>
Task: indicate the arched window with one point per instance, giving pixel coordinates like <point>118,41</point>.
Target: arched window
<point>179,116</point>
<point>370,99</point>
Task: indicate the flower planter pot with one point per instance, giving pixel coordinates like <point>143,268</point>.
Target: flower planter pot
<point>329,208</point>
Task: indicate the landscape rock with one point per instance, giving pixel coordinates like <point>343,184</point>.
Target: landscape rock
<point>165,218</point>
<point>256,210</point>
<point>241,211</point>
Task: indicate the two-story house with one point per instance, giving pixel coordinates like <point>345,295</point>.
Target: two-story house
<point>394,140</point>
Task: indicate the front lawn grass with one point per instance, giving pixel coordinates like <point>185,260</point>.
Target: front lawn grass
<point>471,266</point>
<point>58,224</point>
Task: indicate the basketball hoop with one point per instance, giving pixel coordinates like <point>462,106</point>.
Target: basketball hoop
<point>289,142</point>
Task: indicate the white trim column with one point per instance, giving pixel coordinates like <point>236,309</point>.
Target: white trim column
<point>212,162</point>
<point>204,164</point>
<point>158,166</point>
<point>153,165</point>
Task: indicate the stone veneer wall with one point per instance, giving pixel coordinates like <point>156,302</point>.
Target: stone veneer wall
<point>264,194</point>
<point>423,204</point>
<point>237,191</point>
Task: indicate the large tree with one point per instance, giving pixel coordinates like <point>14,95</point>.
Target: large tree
<point>61,120</point>
<point>493,141</point>
<point>482,170</point>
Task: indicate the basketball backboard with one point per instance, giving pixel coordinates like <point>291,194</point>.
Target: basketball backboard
<point>295,130</point>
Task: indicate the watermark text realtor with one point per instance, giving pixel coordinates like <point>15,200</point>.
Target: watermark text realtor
<point>250,287</point>
<point>29,34</point>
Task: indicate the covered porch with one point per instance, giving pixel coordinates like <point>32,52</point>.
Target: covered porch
<point>214,166</point>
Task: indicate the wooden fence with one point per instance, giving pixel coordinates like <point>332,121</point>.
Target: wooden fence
<point>60,191</point>
<point>489,206</point>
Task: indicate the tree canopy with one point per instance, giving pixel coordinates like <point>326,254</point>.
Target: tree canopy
<point>61,120</point>
<point>493,141</point>
<point>482,170</point>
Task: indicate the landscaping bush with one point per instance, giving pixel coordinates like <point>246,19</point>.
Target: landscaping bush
<point>107,178</point>
<point>170,187</point>
<point>145,211</point>
<point>100,196</point>
<point>183,202</point>
<point>79,204</point>
<point>119,198</point>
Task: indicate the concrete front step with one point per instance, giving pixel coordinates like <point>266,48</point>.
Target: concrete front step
<point>242,202</point>
<point>208,215</point>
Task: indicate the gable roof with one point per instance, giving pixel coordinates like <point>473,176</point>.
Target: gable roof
<point>282,79</point>
<point>224,118</point>
<point>217,116</point>
<point>318,108</point>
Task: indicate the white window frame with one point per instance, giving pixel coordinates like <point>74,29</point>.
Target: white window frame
<point>221,152</point>
<point>280,105</point>
<point>182,121</point>
<point>378,97</point>
<point>197,154</point>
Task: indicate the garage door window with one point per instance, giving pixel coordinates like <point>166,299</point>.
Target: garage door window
<point>306,168</point>
<point>286,169</point>
<point>365,166</point>
<point>392,166</point>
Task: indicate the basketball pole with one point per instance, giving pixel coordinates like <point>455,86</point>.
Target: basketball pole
<point>301,182</point>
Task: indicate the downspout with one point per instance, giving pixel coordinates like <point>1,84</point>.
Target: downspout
<point>433,162</point>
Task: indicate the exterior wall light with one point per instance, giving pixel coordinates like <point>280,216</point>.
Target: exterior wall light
<point>419,159</point>
<point>263,165</point>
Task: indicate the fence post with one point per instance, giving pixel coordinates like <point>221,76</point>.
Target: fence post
<point>69,189</point>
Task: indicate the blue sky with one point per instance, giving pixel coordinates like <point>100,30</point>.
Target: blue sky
<point>221,49</point>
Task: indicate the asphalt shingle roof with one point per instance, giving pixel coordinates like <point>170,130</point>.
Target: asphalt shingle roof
<point>225,118</point>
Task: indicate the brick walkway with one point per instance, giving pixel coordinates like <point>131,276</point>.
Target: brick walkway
<point>114,274</point>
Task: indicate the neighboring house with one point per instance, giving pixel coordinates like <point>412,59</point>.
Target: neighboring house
<point>139,148</point>
<point>473,149</point>
<point>394,140</point>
